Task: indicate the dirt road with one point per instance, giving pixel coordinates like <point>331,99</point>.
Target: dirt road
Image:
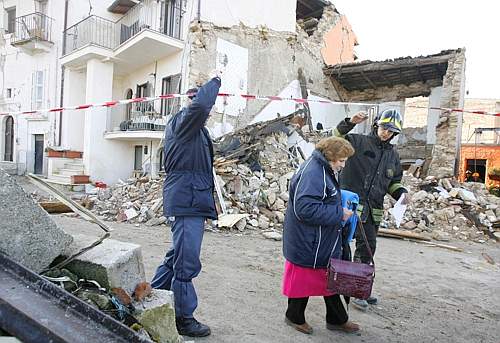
<point>426,294</point>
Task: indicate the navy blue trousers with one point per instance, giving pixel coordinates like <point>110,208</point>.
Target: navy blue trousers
<point>182,264</point>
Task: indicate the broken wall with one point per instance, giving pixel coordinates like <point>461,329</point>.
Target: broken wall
<point>274,58</point>
<point>446,151</point>
<point>343,35</point>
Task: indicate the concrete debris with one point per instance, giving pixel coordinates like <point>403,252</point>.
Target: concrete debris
<point>448,210</point>
<point>113,264</point>
<point>157,314</point>
<point>254,166</point>
<point>137,200</point>
<point>273,235</point>
<point>29,235</point>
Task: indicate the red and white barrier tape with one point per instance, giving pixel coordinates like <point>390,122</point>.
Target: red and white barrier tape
<point>244,96</point>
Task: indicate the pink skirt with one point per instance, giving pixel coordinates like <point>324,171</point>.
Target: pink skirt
<point>300,282</point>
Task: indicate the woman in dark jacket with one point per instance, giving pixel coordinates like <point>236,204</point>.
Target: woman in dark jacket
<point>313,232</point>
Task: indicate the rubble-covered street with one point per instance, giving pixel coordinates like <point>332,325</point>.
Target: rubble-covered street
<point>427,294</point>
<point>254,166</point>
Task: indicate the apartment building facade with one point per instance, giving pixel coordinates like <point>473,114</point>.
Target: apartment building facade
<point>125,49</point>
<point>30,74</point>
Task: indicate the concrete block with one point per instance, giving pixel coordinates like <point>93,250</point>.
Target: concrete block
<point>29,235</point>
<point>157,314</point>
<point>111,264</point>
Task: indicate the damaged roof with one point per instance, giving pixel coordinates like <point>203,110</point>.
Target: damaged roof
<point>359,76</point>
<point>310,8</point>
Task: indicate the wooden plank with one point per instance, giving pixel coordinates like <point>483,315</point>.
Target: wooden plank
<point>402,234</point>
<point>55,207</point>
<point>368,80</point>
<point>76,207</point>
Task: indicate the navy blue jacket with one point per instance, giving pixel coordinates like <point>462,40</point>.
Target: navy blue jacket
<point>314,215</point>
<point>188,187</point>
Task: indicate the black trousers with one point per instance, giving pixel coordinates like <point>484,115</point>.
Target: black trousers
<point>361,253</point>
<point>336,313</point>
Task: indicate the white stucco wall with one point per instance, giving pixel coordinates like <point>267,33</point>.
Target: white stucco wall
<point>73,122</point>
<point>277,15</point>
<point>17,74</point>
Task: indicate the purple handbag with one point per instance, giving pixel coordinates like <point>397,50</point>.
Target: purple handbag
<point>351,279</point>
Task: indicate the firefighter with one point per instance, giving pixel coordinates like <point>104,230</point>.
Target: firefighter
<point>372,172</point>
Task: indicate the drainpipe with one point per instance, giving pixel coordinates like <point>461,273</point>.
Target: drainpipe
<point>199,11</point>
<point>61,100</point>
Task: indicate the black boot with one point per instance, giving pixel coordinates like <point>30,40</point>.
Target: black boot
<point>191,327</point>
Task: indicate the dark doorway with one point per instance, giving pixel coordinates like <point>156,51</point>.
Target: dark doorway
<point>38,154</point>
<point>138,157</point>
<point>9,139</point>
<point>161,157</point>
<point>475,170</point>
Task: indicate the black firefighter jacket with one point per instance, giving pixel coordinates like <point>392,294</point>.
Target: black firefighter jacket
<point>373,171</point>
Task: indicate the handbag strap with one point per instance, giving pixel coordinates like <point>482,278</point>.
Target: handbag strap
<point>363,233</point>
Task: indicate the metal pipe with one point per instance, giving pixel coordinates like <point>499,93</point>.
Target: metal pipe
<point>199,11</point>
<point>63,69</point>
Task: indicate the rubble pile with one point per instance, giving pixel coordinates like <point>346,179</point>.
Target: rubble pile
<point>254,167</point>
<point>261,193</point>
<point>137,200</point>
<point>445,209</point>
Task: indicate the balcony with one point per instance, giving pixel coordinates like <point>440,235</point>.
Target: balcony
<point>149,31</point>
<point>33,33</point>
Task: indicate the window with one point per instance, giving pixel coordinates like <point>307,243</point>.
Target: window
<point>37,90</point>
<point>144,91</point>
<point>11,19</point>
<point>173,18</point>
<point>41,6</point>
<point>169,85</point>
<point>8,93</point>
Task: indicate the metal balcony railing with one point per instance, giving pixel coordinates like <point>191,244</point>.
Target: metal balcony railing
<point>91,30</point>
<point>34,26</point>
<point>164,16</point>
<point>138,117</point>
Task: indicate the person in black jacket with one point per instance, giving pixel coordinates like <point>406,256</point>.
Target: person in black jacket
<point>312,233</point>
<point>372,172</point>
<point>187,201</point>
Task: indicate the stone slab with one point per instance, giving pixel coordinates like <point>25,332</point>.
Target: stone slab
<point>29,235</point>
<point>112,263</point>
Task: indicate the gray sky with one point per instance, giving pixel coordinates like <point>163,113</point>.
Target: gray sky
<point>400,28</point>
